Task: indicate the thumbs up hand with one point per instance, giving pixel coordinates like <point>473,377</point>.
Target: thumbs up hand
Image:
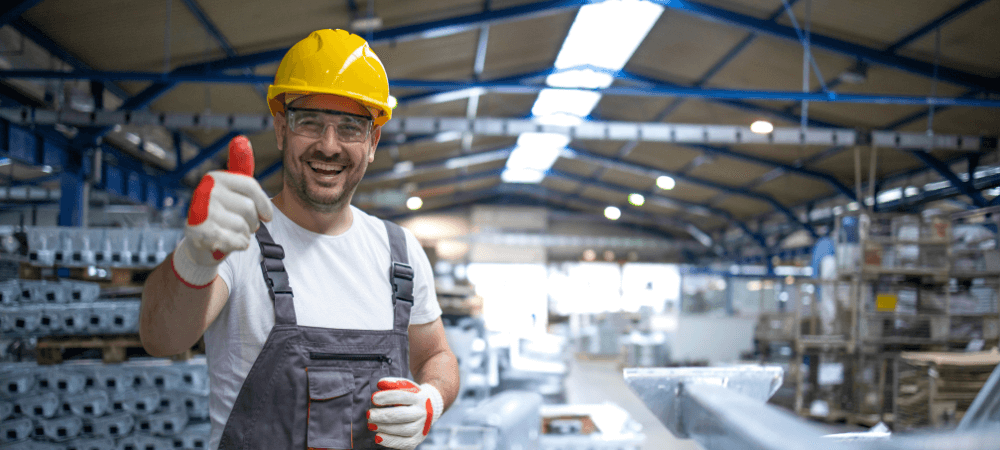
<point>226,209</point>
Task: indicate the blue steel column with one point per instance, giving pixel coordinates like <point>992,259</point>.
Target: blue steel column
<point>71,199</point>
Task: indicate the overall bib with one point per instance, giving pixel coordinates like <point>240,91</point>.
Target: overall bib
<point>311,387</point>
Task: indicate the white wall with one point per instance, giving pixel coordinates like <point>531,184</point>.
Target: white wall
<point>716,339</point>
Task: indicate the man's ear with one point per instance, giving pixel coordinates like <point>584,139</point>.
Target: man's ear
<point>280,129</point>
<point>376,136</point>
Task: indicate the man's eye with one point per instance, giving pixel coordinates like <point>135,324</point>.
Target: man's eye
<point>349,128</point>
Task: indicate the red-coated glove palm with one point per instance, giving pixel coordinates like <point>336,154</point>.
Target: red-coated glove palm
<point>226,209</point>
<point>404,412</point>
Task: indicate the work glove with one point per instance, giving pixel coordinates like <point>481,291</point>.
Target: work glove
<point>404,412</point>
<point>226,209</point>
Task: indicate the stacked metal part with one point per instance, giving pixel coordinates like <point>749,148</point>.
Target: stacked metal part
<point>142,404</point>
<point>32,308</point>
<point>105,247</point>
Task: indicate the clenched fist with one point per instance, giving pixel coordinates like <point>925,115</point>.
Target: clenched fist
<point>226,209</point>
<point>404,412</point>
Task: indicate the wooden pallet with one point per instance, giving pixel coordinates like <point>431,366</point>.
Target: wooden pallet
<point>113,349</point>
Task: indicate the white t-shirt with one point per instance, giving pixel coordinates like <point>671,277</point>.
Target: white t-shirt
<point>337,282</point>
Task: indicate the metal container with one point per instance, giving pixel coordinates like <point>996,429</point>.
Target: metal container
<point>162,424</point>
<point>16,430</point>
<point>38,406</point>
<point>194,436</point>
<point>62,428</point>
<point>80,291</point>
<point>172,401</point>
<point>10,292</point>
<point>195,404</point>
<point>18,382</point>
<point>92,403</point>
<point>140,402</point>
<point>50,322</point>
<point>6,409</point>
<point>90,444</point>
<point>115,425</point>
<point>33,291</point>
<point>74,317</point>
<point>144,442</point>
<point>62,380</point>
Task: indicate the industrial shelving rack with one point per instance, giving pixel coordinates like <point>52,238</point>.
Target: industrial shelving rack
<point>904,283</point>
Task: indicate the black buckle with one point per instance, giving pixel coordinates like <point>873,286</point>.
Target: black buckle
<point>402,281</point>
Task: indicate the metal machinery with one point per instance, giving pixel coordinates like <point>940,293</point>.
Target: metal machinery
<point>724,408</point>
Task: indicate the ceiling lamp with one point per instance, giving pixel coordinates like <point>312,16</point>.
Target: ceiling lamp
<point>666,183</point>
<point>414,203</point>
<point>636,199</point>
<point>612,213</point>
<point>761,127</point>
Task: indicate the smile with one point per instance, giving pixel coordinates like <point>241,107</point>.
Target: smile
<point>325,169</point>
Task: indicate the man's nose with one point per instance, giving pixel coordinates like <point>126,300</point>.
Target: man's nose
<point>329,138</point>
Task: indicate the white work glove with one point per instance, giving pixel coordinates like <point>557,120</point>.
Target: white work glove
<point>226,209</point>
<point>404,412</point>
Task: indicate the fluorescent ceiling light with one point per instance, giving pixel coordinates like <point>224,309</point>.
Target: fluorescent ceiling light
<point>528,176</point>
<point>565,101</point>
<point>4,161</point>
<point>612,213</point>
<point>585,78</point>
<point>761,127</point>
<point>154,149</point>
<point>910,191</point>
<point>447,136</point>
<point>543,140</point>
<point>603,35</point>
<point>534,158</point>
<point>606,34</point>
<point>414,203</point>
<point>133,138</point>
<point>47,169</point>
<point>666,183</point>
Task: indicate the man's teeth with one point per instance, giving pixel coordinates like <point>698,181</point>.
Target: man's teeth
<point>326,167</point>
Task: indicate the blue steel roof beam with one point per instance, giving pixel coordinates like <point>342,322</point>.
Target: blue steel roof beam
<point>902,42</point>
<point>202,156</point>
<point>734,102</point>
<point>22,26</point>
<point>829,179</point>
<point>625,190</point>
<point>412,32</point>
<point>651,172</point>
<point>14,9</point>
<point>663,90</point>
<point>219,38</point>
<point>874,56</point>
<point>930,26</point>
<point>721,63</point>
<point>941,168</point>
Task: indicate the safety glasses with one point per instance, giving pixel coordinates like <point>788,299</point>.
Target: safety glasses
<point>312,123</point>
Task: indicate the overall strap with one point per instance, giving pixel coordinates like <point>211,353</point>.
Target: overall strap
<point>276,278</point>
<point>400,276</point>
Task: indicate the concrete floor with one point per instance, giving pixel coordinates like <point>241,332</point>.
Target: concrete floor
<point>602,381</point>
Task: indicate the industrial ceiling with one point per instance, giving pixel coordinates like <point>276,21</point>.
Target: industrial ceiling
<point>467,73</point>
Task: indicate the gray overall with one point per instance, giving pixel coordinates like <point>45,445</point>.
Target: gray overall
<point>312,387</point>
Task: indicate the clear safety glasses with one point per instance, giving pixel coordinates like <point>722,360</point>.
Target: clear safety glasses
<point>312,123</point>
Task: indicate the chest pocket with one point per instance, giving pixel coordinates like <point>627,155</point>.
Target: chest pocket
<point>331,401</point>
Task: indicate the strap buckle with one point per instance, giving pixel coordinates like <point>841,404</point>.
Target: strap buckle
<point>402,281</point>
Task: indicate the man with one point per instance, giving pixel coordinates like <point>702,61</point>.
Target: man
<point>312,331</point>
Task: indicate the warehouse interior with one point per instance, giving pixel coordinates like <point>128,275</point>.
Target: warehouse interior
<point>652,224</point>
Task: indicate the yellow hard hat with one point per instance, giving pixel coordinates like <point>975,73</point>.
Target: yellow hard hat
<point>332,62</point>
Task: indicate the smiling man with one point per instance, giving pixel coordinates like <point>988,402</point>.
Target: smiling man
<point>321,323</point>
